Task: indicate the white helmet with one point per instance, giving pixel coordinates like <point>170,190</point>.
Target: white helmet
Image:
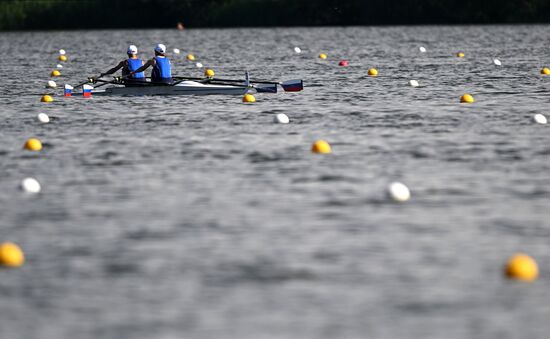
<point>160,48</point>
<point>132,49</point>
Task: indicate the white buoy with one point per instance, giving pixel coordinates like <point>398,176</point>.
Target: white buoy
<point>198,64</point>
<point>51,84</point>
<point>61,52</point>
<point>414,83</point>
<point>59,66</point>
<point>281,118</point>
<point>30,185</point>
<point>422,49</point>
<point>297,50</point>
<point>497,62</point>
<point>43,118</point>
<point>399,192</point>
<point>540,119</point>
<point>176,51</point>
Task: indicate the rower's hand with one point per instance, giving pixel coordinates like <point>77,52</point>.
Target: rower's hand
<point>93,80</point>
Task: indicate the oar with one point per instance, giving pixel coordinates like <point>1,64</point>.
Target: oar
<point>84,83</point>
<point>90,80</point>
<point>295,85</point>
<point>267,88</point>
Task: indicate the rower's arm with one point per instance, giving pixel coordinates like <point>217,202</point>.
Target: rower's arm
<point>148,64</point>
<point>114,69</point>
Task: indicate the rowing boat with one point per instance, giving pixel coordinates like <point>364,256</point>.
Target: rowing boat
<point>181,88</point>
<point>186,86</point>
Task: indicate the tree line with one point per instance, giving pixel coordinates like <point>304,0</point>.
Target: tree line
<point>80,14</point>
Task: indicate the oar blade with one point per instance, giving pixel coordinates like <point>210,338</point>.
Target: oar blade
<point>293,85</point>
<point>266,88</point>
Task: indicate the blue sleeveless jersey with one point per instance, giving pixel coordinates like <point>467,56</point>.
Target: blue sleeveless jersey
<point>134,64</point>
<point>162,70</point>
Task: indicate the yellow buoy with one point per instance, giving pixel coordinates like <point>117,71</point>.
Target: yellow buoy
<point>522,267</point>
<point>55,73</point>
<point>190,57</point>
<point>62,58</point>
<point>460,55</point>
<point>33,144</point>
<point>46,98</point>
<point>321,146</point>
<point>209,73</point>
<point>249,98</point>
<point>11,255</point>
<point>467,98</point>
<point>545,71</point>
<point>373,72</point>
<point>322,56</point>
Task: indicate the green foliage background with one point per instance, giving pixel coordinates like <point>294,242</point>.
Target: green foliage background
<point>65,14</point>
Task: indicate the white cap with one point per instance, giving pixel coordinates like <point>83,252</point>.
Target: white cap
<point>132,49</point>
<point>160,48</point>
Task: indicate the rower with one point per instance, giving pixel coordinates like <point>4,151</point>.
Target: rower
<point>162,70</point>
<point>131,78</point>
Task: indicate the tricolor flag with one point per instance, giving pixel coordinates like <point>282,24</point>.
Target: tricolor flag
<point>68,90</point>
<point>87,91</point>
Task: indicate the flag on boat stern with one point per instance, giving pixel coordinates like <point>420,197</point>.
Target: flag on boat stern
<point>68,90</point>
<point>87,91</point>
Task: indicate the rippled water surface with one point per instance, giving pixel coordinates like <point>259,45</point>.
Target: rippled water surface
<point>197,217</point>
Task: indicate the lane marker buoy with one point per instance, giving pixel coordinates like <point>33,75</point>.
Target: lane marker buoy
<point>51,84</point>
<point>43,118</point>
<point>297,50</point>
<point>33,144</point>
<point>540,119</point>
<point>467,99</point>
<point>176,51</point>
<point>545,71</point>
<point>414,83</point>
<point>497,62</point>
<point>11,255</point>
<point>422,49</point>
<point>321,147</point>
<point>521,267</point>
<point>190,57</point>
<point>281,118</point>
<point>209,73</point>
<point>249,98</point>
<point>460,54</point>
<point>322,56</point>
<point>30,185</point>
<point>373,72</point>
<point>399,192</point>
<point>46,98</point>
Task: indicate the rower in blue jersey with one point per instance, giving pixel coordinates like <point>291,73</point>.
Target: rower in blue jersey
<point>129,66</point>
<point>162,69</point>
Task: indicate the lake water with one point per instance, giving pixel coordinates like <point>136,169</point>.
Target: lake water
<point>197,217</point>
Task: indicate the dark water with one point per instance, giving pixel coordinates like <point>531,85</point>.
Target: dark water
<point>197,217</point>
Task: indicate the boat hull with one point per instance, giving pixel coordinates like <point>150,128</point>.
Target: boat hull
<point>182,88</point>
